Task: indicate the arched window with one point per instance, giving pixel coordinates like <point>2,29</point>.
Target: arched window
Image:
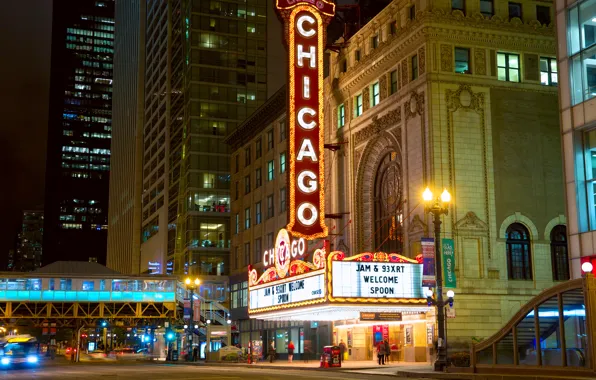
<point>388,203</point>
<point>558,252</point>
<point>519,258</point>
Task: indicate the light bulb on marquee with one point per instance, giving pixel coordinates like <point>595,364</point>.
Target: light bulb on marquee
<point>304,23</point>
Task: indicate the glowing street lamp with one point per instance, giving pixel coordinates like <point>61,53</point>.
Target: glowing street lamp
<point>438,206</point>
<point>191,285</point>
<point>587,267</point>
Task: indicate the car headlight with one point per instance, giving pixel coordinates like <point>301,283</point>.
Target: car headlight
<point>5,361</point>
<point>32,359</point>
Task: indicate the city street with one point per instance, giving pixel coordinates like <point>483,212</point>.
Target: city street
<point>151,371</point>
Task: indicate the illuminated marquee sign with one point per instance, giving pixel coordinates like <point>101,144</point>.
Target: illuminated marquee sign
<point>304,24</point>
<point>288,292</point>
<point>374,277</point>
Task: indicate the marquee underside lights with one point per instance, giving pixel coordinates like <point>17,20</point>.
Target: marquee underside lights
<point>304,25</point>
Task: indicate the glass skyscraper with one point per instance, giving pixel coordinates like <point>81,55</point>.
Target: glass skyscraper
<point>79,131</point>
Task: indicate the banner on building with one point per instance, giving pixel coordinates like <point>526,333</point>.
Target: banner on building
<point>187,308</point>
<point>449,264</point>
<point>428,262</point>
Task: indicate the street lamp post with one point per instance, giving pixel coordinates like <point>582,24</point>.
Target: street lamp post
<point>191,285</point>
<point>438,206</point>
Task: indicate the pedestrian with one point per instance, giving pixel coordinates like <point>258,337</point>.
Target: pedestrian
<point>342,350</point>
<point>290,351</point>
<point>381,352</point>
<point>387,351</point>
<point>271,352</point>
<point>195,352</point>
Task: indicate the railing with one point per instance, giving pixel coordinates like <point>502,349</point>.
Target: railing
<point>535,339</point>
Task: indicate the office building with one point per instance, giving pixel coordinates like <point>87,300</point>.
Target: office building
<point>205,72</point>
<point>79,131</point>
<point>27,255</point>
<point>124,213</point>
<point>577,90</point>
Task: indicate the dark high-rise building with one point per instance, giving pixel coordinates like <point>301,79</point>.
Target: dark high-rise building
<point>79,131</point>
<point>27,255</point>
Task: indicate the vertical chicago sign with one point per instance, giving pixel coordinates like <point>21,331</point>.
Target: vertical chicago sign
<point>304,24</point>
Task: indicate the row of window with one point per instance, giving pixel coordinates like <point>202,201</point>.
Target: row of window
<point>259,148</point>
<point>258,176</point>
<point>508,69</point>
<point>519,253</point>
<point>248,222</point>
<point>515,10</point>
<point>581,46</point>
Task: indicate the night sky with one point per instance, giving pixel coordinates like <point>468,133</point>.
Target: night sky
<point>24,81</point>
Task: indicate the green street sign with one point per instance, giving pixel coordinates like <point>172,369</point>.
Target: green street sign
<point>448,263</point>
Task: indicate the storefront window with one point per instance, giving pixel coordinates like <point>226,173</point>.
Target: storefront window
<point>281,341</point>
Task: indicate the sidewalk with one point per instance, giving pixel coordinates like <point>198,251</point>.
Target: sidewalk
<point>369,365</point>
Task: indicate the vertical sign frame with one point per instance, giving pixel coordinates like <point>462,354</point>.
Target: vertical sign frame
<point>304,25</point>
<point>428,260</point>
<point>448,256</point>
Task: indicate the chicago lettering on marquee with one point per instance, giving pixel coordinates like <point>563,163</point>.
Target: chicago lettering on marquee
<point>304,24</point>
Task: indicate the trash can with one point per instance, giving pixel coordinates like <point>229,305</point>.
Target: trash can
<point>330,357</point>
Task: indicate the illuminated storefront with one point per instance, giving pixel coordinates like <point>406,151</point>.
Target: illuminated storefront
<point>367,298</point>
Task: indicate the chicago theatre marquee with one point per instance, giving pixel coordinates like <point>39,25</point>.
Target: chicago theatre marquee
<point>366,298</point>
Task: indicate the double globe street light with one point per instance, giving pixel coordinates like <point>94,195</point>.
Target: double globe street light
<point>437,206</point>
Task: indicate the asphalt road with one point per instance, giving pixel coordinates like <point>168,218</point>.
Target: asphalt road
<point>151,371</point>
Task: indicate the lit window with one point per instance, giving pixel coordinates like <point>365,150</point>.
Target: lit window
<point>375,95</point>
<point>258,213</point>
<point>282,162</point>
<point>508,67</point>
<point>247,218</point>
<point>462,60</point>
<point>358,105</point>
<point>548,71</point>
<point>270,170</point>
<point>341,116</point>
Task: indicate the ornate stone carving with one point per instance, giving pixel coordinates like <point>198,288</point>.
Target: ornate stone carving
<point>383,86</point>
<point>357,156</point>
<point>479,61</point>
<point>446,58</point>
<point>463,97</point>
<point>417,225</point>
<point>348,110</point>
<point>404,73</point>
<point>471,222</point>
<point>365,98</point>
<point>379,125</point>
<point>335,118</point>
<point>421,60</point>
<point>415,105</point>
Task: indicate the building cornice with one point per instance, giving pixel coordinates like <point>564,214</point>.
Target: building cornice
<point>438,25</point>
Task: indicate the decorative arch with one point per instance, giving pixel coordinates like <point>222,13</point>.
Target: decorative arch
<point>518,217</point>
<point>561,219</point>
<point>374,152</point>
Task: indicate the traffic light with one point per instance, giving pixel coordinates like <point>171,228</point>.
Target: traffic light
<point>170,335</point>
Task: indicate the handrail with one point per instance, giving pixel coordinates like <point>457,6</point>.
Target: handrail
<point>525,309</point>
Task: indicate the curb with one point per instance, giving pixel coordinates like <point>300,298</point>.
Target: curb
<point>480,376</point>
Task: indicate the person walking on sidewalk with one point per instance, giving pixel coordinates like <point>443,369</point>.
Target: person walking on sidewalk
<point>342,350</point>
<point>271,352</point>
<point>290,351</point>
<point>381,352</point>
<point>387,351</point>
